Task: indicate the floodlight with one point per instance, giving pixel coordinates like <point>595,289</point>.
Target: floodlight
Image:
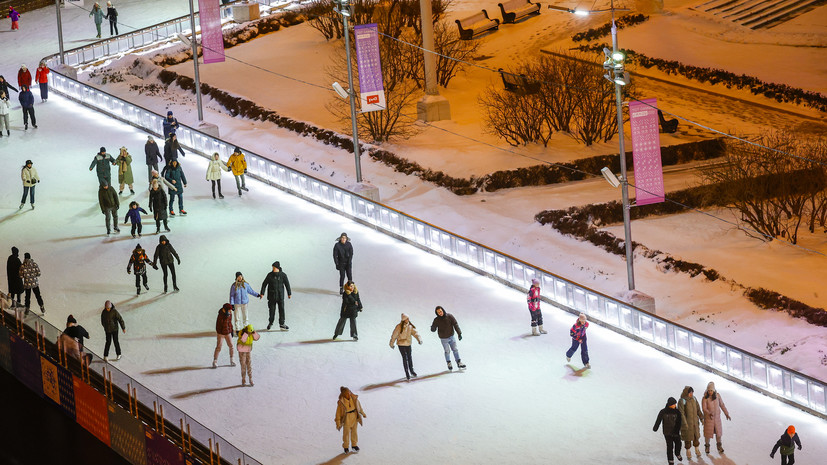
<point>184,39</point>
<point>618,56</point>
<point>581,12</point>
<point>340,90</point>
<point>610,177</point>
<point>622,79</point>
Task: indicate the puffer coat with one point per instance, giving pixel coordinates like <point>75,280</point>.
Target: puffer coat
<point>29,176</point>
<point>237,163</point>
<point>214,169</point>
<point>351,303</point>
<point>692,415</point>
<point>158,204</point>
<point>111,319</point>
<point>712,409</point>
<point>404,337</point>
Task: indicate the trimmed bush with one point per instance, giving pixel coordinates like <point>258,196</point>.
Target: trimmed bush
<point>606,29</point>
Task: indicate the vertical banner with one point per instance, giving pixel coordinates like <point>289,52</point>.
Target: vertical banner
<point>212,41</point>
<point>126,435</point>
<point>58,386</point>
<point>25,361</point>
<point>371,87</point>
<point>643,118</point>
<point>5,349</point>
<point>91,410</point>
<point>159,451</point>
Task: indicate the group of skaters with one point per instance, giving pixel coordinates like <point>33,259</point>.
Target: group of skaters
<point>24,96</point>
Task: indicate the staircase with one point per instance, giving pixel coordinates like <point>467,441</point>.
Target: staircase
<point>758,14</point>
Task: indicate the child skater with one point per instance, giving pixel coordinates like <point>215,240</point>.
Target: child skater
<point>134,215</point>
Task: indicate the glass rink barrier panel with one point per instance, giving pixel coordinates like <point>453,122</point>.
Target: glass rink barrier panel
<point>690,346</point>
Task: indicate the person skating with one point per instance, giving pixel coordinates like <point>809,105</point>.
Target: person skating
<point>787,444</point>
<point>712,405</point>
<point>174,174</point>
<point>24,76</point>
<point>172,148</point>
<point>41,76</point>
<point>97,14</point>
<point>77,333</point>
<point>691,415</point>
<point>102,164</point>
<point>156,178</point>
<point>112,16</point>
<point>348,417</point>
<point>5,111</point>
<point>13,265</point>
<point>166,252</point>
<point>343,259</point>
<point>238,164</point>
<point>110,320</point>
<point>403,335</point>
<point>15,18</point>
<point>138,261</point>
<point>445,325</point>
<point>671,419</point>
<point>223,333</point>
<point>153,156</point>
<point>26,99</point>
<point>28,174</point>
<point>170,125</point>
<point>5,86</point>
<point>351,306</point>
<point>244,346</point>
<point>214,169</point>
<point>158,206</point>
<point>578,339</point>
<point>276,283</point>
<point>134,215</point>
<point>124,163</point>
<point>109,203</point>
<point>29,272</point>
<point>533,299</point>
<point>239,290</point>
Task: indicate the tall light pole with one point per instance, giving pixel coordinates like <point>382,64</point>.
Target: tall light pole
<point>59,30</point>
<point>194,44</point>
<point>344,10</point>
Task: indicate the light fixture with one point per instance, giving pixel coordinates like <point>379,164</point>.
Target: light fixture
<point>340,90</point>
<point>610,177</point>
<point>580,12</point>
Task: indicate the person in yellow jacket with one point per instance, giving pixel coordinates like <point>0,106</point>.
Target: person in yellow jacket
<point>244,347</point>
<point>238,164</point>
<point>349,416</point>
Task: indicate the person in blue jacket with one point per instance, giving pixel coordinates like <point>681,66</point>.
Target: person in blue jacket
<point>170,124</point>
<point>238,298</point>
<point>27,102</point>
<point>134,215</point>
<point>175,175</point>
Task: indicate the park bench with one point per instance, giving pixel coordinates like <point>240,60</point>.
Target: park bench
<point>516,9</point>
<point>669,126</point>
<point>518,83</point>
<point>476,24</point>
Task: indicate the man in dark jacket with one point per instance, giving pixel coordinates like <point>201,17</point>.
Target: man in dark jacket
<point>444,325</point>
<point>13,265</point>
<point>275,284</point>
<point>343,258</point>
<point>174,174</point>
<point>787,443</point>
<point>112,15</point>
<point>671,418</point>
<point>172,148</point>
<point>153,156</point>
<point>102,164</point>
<point>27,102</point>
<point>165,252</point>
<point>109,204</point>
<point>110,319</point>
<point>170,125</point>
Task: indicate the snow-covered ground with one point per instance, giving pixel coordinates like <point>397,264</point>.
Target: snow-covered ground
<point>518,401</point>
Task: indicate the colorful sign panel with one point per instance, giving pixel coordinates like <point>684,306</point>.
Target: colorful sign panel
<point>25,360</point>
<point>58,386</point>
<point>126,435</point>
<point>159,451</point>
<point>648,170</point>
<point>368,60</point>
<point>212,40</point>
<point>91,410</point>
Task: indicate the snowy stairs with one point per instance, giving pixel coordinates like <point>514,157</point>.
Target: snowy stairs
<point>758,14</point>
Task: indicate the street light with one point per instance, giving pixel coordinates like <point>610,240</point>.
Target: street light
<point>343,8</point>
<point>615,72</point>
<point>194,43</point>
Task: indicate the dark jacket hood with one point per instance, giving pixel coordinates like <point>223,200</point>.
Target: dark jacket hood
<point>163,239</point>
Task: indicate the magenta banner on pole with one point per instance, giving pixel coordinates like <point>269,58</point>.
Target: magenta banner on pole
<point>212,41</point>
<point>371,86</point>
<point>643,118</point>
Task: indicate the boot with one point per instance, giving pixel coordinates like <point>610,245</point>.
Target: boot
<point>688,454</point>
<point>720,448</point>
<point>460,365</point>
<point>450,367</point>
<point>232,362</point>
<point>215,363</point>
<point>213,194</point>
<point>542,331</point>
<point>697,452</point>
<point>139,291</point>
<point>534,331</point>
<point>706,448</point>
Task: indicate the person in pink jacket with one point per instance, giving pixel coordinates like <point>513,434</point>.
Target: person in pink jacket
<point>533,299</point>
<point>15,17</point>
<point>244,346</point>
<point>712,405</point>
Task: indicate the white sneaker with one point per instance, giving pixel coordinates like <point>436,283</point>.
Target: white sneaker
<point>106,359</point>
<point>214,363</point>
<point>117,358</point>
<point>232,363</point>
<point>588,366</point>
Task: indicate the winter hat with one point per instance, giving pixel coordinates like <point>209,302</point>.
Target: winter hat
<point>237,274</point>
<point>710,387</point>
<point>582,317</point>
<point>138,246</point>
<point>27,255</point>
<point>23,66</point>
<point>343,235</point>
<point>404,317</point>
<point>535,281</point>
<point>29,162</point>
<point>149,138</point>
<point>169,113</point>
<point>227,307</point>
<point>108,304</point>
<point>791,430</point>
<point>71,319</point>
<point>671,402</point>
<point>276,264</point>
<point>236,150</point>
<point>102,150</point>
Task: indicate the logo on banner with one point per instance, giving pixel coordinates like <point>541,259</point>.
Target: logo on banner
<point>368,60</point>
<point>373,99</point>
<point>648,170</point>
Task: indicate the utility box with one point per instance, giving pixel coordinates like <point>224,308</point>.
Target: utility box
<point>243,12</point>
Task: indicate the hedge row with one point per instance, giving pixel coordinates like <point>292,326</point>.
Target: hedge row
<point>606,29</point>
<point>779,92</point>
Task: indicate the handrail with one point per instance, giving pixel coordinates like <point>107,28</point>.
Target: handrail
<point>709,353</point>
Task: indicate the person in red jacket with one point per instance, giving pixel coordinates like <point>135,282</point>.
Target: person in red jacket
<point>42,78</point>
<point>24,77</point>
<point>223,331</point>
<point>578,339</point>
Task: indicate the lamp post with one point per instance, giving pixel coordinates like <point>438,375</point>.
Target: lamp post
<point>343,8</point>
<point>194,44</point>
<point>59,30</point>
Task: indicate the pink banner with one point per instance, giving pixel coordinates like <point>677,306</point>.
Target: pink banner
<point>212,41</point>
<point>643,117</point>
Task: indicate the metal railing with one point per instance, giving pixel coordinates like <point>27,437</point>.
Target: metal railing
<point>712,354</point>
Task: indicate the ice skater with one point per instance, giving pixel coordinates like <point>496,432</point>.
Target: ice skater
<point>41,76</point>
<point>403,335</point>
<point>445,325</point>
<point>165,252</point>
<point>239,291</point>
<point>112,16</point>
<point>214,169</point>
<point>158,206</point>
<point>349,416</point>
<point>110,320</point>
<point>787,444</point>
<point>109,203</point>
<point>15,282</point>
<point>671,419</point>
<point>170,125</point>
<point>5,111</point>
<point>24,76</point>
<point>102,164</point>
<point>172,148</point>
<point>244,346</point>
<point>28,174</point>
<point>29,272</point>
<point>153,156</point>
<point>223,333</point>
<point>343,259</point>
<point>77,333</point>
<point>124,162</point>
<point>276,284</point>
<point>691,412</point>
<point>15,19</point>
<point>26,99</point>
<point>134,215</point>
<point>97,14</point>
<point>138,260</point>
<point>175,175</point>
<point>238,164</point>
<point>351,306</point>
<point>533,299</point>
<point>578,339</point>
<point>712,405</point>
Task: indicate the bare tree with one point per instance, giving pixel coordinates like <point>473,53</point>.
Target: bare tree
<point>519,118</point>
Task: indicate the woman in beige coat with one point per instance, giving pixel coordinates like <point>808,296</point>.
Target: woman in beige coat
<point>713,405</point>
<point>691,415</point>
<point>403,336</point>
<point>124,162</point>
<point>349,416</point>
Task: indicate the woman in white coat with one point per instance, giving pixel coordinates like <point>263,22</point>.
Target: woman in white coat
<point>5,109</point>
<point>403,335</point>
<point>214,169</point>
<point>712,405</point>
<point>30,178</point>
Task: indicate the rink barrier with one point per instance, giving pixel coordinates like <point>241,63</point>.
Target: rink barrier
<point>709,353</point>
<point>117,409</point>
